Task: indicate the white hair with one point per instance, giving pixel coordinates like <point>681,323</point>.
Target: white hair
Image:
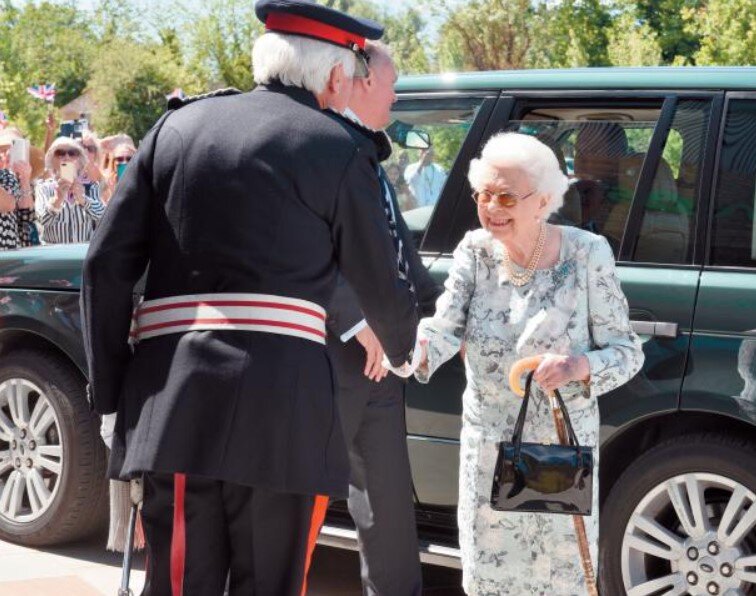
<point>298,61</point>
<point>524,152</point>
<point>67,143</point>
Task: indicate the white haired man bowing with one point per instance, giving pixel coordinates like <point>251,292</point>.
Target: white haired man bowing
<point>372,402</point>
<point>244,207</point>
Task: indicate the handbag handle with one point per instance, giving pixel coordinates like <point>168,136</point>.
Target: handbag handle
<point>520,424</point>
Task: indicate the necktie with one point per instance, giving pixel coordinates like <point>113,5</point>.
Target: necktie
<point>401,260</point>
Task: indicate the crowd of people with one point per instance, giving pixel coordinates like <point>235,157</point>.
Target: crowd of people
<point>59,193</point>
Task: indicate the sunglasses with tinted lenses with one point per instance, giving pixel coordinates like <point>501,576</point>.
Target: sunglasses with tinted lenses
<point>126,159</point>
<point>68,152</point>
<point>505,199</point>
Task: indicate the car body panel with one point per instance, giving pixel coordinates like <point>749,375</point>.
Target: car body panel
<point>50,267</point>
<point>712,78</point>
<point>722,374</point>
<point>53,316</point>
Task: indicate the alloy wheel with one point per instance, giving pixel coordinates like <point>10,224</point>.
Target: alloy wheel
<point>31,452</point>
<point>692,534</point>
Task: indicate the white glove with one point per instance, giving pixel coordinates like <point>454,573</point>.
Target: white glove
<point>106,429</point>
<point>408,368</point>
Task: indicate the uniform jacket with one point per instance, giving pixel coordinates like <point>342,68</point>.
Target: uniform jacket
<point>260,192</point>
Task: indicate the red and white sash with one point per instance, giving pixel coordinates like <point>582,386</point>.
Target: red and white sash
<point>240,312</point>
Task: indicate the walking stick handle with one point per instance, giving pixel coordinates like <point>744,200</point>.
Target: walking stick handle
<point>518,369</point>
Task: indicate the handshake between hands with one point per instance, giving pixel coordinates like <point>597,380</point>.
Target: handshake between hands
<point>554,371</point>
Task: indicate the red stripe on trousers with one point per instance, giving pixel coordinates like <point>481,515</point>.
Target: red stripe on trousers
<point>316,523</point>
<point>178,539</point>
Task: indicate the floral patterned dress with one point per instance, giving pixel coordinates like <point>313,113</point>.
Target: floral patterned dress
<point>574,307</point>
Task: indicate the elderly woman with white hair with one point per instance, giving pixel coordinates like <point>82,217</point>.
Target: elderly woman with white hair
<point>68,204</point>
<point>521,287</point>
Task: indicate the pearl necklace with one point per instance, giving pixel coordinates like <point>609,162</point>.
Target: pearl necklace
<point>521,278</point>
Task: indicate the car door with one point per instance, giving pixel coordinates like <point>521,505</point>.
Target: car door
<point>723,354</point>
<point>632,157</point>
<point>428,182</point>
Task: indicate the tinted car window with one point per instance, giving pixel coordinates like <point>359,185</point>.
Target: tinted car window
<point>667,233</point>
<point>426,135</point>
<point>733,240</point>
<point>601,149</point>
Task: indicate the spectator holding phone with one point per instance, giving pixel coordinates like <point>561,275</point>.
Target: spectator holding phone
<point>68,204</point>
<point>119,158</point>
<point>91,145</point>
<point>17,216</point>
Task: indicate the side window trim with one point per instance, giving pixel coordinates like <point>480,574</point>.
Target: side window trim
<point>436,236</point>
<point>708,178</point>
<point>709,224</point>
<point>646,179</point>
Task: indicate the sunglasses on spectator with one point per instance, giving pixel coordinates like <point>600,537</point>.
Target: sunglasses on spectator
<point>505,199</point>
<point>68,152</point>
<point>125,159</point>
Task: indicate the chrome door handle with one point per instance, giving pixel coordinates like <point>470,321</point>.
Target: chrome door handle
<point>655,328</point>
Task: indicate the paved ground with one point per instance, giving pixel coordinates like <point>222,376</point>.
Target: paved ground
<point>88,570</point>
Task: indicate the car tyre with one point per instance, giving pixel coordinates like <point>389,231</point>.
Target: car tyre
<point>711,459</point>
<point>77,502</point>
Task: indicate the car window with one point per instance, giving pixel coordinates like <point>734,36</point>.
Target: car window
<point>601,149</point>
<point>733,241</point>
<point>426,135</point>
<point>667,233</point>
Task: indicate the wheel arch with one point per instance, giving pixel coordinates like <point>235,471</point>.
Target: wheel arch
<point>16,339</point>
<point>632,442</point>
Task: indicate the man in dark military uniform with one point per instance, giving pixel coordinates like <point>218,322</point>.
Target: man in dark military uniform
<point>372,404</point>
<point>243,208</point>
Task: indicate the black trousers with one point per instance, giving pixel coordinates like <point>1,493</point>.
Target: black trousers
<point>200,532</point>
<point>380,485</point>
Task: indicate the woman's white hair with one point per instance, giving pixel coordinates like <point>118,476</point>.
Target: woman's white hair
<point>298,61</point>
<point>66,142</point>
<point>524,152</point>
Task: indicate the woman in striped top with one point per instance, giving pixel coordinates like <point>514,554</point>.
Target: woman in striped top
<point>17,216</point>
<point>68,211</point>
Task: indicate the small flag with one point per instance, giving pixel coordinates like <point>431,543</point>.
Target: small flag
<point>177,92</point>
<point>43,92</point>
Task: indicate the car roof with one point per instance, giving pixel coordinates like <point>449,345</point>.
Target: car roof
<point>686,77</point>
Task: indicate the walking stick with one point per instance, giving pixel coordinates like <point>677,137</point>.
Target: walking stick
<point>128,552</point>
<point>515,375</point>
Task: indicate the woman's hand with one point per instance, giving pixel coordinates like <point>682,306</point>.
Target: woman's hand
<point>555,371</point>
<point>78,193</point>
<point>62,191</point>
<point>7,201</point>
<point>108,184</point>
<point>23,171</point>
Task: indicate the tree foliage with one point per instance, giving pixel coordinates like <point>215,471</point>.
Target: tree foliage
<point>727,32</point>
<point>633,43</point>
<point>483,34</point>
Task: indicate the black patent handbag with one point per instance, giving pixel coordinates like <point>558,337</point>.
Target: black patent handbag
<point>538,478</point>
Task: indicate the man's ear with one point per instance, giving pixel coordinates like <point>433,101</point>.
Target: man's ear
<point>336,79</point>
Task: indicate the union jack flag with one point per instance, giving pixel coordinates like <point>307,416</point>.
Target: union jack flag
<point>44,92</point>
<point>177,92</point>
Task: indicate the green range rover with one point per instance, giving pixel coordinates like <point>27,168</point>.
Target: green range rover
<point>663,164</point>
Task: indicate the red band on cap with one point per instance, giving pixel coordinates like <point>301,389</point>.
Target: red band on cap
<point>298,25</point>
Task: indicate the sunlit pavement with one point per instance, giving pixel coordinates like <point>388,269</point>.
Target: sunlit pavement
<point>87,569</point>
